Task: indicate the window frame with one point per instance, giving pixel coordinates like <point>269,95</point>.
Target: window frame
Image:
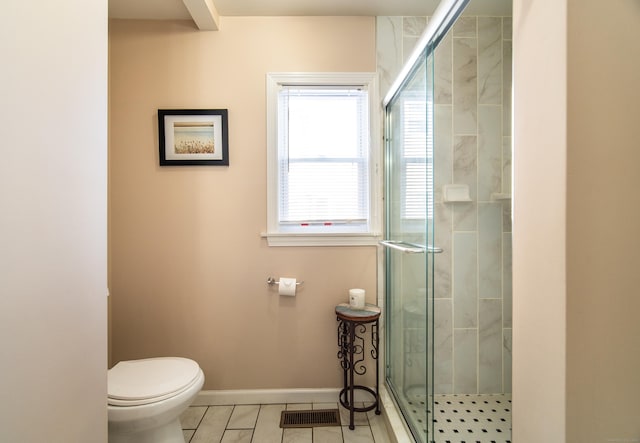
<point>331,236</point>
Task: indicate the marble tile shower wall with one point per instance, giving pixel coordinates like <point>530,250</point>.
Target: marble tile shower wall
<point>472,109</point>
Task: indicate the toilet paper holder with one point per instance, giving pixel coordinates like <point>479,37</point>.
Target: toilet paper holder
<point>272,281</point>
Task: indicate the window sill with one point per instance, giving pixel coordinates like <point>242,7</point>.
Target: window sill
<point>286,239</point>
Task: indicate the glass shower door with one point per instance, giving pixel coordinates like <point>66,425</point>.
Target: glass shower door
<point>409,250</point>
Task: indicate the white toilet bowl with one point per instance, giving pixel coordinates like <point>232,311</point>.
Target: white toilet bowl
<point>146,398</point>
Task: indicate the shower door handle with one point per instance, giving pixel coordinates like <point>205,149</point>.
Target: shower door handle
<point>410,248</point>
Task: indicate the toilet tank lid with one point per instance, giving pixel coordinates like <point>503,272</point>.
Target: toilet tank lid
<point>150,378</point>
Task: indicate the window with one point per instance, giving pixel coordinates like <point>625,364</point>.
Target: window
<point>322,159</point>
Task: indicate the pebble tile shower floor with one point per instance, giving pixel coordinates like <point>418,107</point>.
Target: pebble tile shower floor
<point>468,418</point>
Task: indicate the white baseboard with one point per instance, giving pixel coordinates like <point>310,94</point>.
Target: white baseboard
<point>272,396</point>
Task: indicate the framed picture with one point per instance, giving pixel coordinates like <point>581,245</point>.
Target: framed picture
<point>193,137</point>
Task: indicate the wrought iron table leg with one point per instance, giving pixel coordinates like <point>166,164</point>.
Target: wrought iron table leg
<point>375,342</point>
<point>352,340</point>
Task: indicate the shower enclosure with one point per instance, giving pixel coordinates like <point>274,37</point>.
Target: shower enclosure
<point>448,227</point>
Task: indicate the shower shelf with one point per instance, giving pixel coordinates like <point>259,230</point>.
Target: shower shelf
<point>455,193</point>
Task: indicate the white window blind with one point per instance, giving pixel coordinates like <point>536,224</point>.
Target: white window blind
<point>323,157</point>
<point>417,201</point>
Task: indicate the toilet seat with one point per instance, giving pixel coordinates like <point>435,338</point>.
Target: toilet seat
<point>141,382</point>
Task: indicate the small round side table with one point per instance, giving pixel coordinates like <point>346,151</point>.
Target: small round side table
<point>352,327</point>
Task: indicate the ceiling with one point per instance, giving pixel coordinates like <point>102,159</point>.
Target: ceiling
<point>176,9</point>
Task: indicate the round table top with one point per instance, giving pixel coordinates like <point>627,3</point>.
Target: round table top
<point>369,313</point>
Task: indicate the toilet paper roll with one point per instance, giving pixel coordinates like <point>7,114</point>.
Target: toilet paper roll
<point>287,286</point>
<point>356,298</point>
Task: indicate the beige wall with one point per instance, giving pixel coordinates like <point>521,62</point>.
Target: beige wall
<point>576,253</point>
<point>188,265</point>
<point>603,219</point>
<point>53,221</point>
<point>539,221</point>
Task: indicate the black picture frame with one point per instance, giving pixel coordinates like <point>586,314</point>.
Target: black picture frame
<point>192,137</point>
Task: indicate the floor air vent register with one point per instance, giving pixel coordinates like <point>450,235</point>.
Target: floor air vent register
<point>310,418</point>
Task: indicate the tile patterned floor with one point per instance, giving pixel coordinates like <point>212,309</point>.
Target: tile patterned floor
<point>484,418</point>
<point>261,424</point>
<point>467,418</point>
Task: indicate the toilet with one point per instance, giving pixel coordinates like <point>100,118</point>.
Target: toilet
<point>146,398</point>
